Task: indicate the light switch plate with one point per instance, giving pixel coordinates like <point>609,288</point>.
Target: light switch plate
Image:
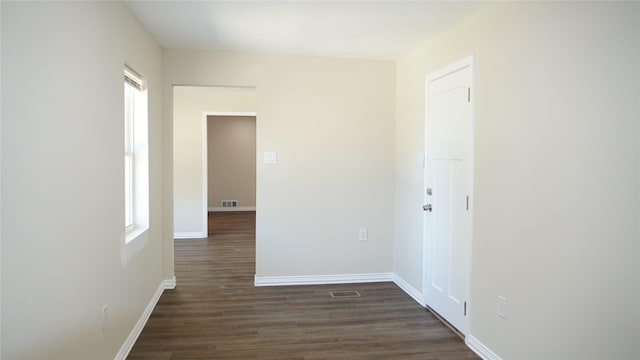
<point>502,307</point>
<point>270,157</point>
<point>363,234</point>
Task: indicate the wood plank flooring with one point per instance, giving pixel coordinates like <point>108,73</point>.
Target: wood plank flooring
<point>215,312</point>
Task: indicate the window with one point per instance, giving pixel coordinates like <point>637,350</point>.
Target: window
<point>136,164</point>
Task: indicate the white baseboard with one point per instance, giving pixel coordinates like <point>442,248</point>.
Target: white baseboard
<point>190,235</point>
<point>479,348</point>
<point>239,208</point>
<point>472,343</point>
<point>169,284</point>
<point>410,290</point>
<point>142,321</point>
<point>322,279</point>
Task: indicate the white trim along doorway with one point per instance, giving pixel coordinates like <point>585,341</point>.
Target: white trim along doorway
<point>205,163</point>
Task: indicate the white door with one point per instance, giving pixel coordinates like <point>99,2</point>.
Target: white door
<point>448,184</point>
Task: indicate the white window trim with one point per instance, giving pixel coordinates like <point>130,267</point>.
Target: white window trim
<point>140,155</point>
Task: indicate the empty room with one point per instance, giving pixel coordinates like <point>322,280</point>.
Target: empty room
<point>420,180</point>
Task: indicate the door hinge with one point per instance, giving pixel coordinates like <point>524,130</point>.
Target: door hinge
<point>468,94</point>
<point>467,202</point>
<point>465,308</point>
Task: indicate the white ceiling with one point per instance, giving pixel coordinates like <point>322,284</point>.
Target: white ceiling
<point>357,29</point>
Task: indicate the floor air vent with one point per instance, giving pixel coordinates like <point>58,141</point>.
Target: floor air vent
<point>342,294</point>
<point>229,203</point>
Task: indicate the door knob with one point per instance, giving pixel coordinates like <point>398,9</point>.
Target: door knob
<point>427,207</point>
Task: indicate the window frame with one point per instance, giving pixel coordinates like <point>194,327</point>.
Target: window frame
<point>136,170</point>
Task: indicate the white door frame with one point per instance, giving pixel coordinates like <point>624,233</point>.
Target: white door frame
<point>205,164</point>
<point>451,68</point>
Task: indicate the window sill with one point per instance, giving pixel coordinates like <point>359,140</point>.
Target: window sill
<point>134,234</point>
<point>132,243</point>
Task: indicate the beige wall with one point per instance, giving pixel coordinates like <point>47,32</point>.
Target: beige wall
<point>556,175</point>
<point>189,103</point>
<point>331,123</point>
<point>63,256</point>
<point>232,160</point>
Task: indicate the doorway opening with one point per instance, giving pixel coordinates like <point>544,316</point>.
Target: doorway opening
<point>230,152</point>
<point>192,105</point>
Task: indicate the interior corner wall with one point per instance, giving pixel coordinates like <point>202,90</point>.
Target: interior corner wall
<point>556,178</point>
<point>62,179</point>
<point>189,103</point>
<point>637,321</point>
<point>330,121</point>
<point>0,190</point>
<point>231,161</point>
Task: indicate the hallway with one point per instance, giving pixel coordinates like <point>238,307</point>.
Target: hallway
<point>215,312</point>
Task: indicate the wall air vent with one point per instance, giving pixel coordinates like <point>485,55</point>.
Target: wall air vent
<point>229,203</point>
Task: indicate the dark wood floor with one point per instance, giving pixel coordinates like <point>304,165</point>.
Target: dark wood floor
<point>215,312</point>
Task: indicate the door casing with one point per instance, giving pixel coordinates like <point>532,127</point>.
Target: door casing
<point>205,160</point>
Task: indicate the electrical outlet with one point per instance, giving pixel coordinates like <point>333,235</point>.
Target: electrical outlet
<point>362,234</point>
<point>105,313</point>
<point>502,307</point>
